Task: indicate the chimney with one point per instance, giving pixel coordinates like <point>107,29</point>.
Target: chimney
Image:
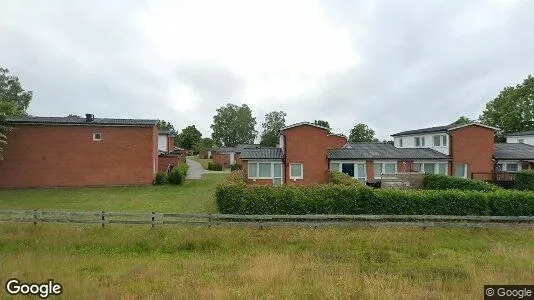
<point>89,118</point>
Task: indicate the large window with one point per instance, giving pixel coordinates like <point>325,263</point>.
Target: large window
<point>296,171</point>
<point>353,169</point>
<point>265,170</point>
<point>385,168</point>
<point>460,170</point>
<point>419,141</point>
<point>252,170</point>
<point>431,168</point>
<point>440,140</point>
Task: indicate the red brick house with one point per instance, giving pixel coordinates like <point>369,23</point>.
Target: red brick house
<point>307,153</point>
<point>74,151</point>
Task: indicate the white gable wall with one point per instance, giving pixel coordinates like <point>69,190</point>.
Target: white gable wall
<point>162,142</point>
<point>527,139</point>
<point>408,141</point>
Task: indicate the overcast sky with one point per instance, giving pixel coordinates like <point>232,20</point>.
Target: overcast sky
<point>394,65</point>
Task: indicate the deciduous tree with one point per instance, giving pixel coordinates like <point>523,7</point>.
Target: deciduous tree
<point>274,121</point>
<point>362,133</point>
<point>233,125</point>
<point>323,124</point>
<point>188,137</point>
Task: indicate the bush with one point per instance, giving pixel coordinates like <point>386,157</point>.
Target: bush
<point>214,167</point>
<point>524,180</point>
<point>341,178</point>
<point>444,182</point>
<point>177,174</point>
<point>161,178</point>
<point>236,167</point>
<point>238,198</point>
<point>236,177</point>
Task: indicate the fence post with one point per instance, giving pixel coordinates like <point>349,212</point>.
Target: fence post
<point>103,215</point>
<point>34,217</point>
<point>153,219</point>
<point>209,221</point>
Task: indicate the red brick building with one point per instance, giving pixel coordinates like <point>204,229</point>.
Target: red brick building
<point>307,153</point>
<point>73,151</point>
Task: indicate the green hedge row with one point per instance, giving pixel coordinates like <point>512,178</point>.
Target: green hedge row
<point>238,198</point>
<point>524,180</point>
<point>175,176</point>
<point>215,166</point>
<point>443,182</point>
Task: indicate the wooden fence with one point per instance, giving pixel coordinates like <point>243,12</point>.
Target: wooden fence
<point>158,219</point>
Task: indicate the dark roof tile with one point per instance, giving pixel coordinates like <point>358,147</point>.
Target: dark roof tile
<point>513,151</point>
<point>81,121</point>
<point>262,153</point>
<point>383,151</point>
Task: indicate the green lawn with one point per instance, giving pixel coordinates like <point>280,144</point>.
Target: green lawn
<point>203,161</point>
<point>195,196</point>
<point>180,262</point>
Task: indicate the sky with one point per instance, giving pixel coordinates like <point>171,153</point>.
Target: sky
<point>393,65</point>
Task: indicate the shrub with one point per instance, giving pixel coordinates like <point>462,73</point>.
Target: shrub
<point>444,182</point>
<point>236,177</point>
<point>182,168</point>
<point>236,167</point>
<point>176,176</point>
<point>235,197</point>
<point>161,178</point>
<point>214,166</point>
<point>524,180</point>
<point>341,178</point>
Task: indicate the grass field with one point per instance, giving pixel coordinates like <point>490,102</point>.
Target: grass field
<point>203,161</point>
<point>195,196</point>
<point>123,261</point>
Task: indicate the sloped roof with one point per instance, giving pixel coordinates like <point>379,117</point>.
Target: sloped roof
<point>513,151</point>
<point>425,130</point>
<point>528,132</point>
<point>262,153</point>
<point>302,124</point>
<point>383,151</point>
<point>81,121</point>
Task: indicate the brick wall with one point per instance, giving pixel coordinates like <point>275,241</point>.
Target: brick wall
<point>50,156</point>
<point>165,160</point>
<point>222,158</point>
<point>472,145</point>
<point>308,145</point>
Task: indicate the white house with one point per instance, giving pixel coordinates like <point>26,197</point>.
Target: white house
<point>524,137</point>
<point>435,138</point>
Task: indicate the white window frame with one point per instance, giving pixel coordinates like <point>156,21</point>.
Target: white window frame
<point>400,142</point>
<point>257,162</point>
<point>436,166</point>
<point>442,140</point>
<point>421,141</point>
<point>301,171</point>
<point>465,169</point>
<point>506,163</point>
<point>95,136</point>
<point>383,167</point>
<point>434,140</point>
<point>355,163</point>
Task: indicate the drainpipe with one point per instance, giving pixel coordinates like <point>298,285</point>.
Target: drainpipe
<point>284,156</point>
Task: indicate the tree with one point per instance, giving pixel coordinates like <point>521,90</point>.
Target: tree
<point>203,144</point>
<point>463,120</point>
<point>274,121</point>
<point>188,137</point>
<point>14,102</point>
<point>323,123</point>
<point>233,125</point>
<point>164,125</point>
<point>362,133</point>
<point>513,109</point>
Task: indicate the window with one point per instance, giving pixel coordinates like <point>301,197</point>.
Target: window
<point>431,168</point>
<point>353,169</point>
<point>400,142</point>
<point>419,141</point>
<point>444,140</point>
<point>437,140</point>
<point>97,136</point>
<point>361,176</point>
<point>348,169</point>
<point>521,141</point>
<point>384,168</point>
<point>264,170</point>
<point>296,171</point>
<point>511,167</point>
<point>500,167</point>
<point>442,169</point>
<point>460,170</point>
<point>334,167</point>
<point>417,167</point>
<point>252,170</point>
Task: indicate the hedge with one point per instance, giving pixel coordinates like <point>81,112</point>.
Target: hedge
<point>524,180</point>
<point>236,167</point>
<point>239,198</point>
<point>160,178</point>
<point>443,182</point>
<point>342,178</point>
<point>215,166</point>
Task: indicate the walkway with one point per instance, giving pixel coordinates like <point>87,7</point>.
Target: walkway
<point>195,169</point>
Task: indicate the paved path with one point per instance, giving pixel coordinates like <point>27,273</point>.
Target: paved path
<point>195,169</point>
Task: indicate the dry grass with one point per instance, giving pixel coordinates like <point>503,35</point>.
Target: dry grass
<point>193,262</point>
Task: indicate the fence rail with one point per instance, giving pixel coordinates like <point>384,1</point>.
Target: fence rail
<point>260,221</point>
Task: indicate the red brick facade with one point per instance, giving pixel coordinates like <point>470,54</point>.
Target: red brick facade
<point>65,155</point>
<point>164,161</point>
<point>308,145</point>
<point>472,145</point>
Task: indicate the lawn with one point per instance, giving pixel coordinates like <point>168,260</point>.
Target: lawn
<point>195,196</point>
<point>178,262</point>
<point>203,161</point>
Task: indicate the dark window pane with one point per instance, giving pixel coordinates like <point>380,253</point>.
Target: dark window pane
<point>348,169</point>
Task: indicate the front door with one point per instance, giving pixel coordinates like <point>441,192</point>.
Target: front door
<point>277,174</point>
